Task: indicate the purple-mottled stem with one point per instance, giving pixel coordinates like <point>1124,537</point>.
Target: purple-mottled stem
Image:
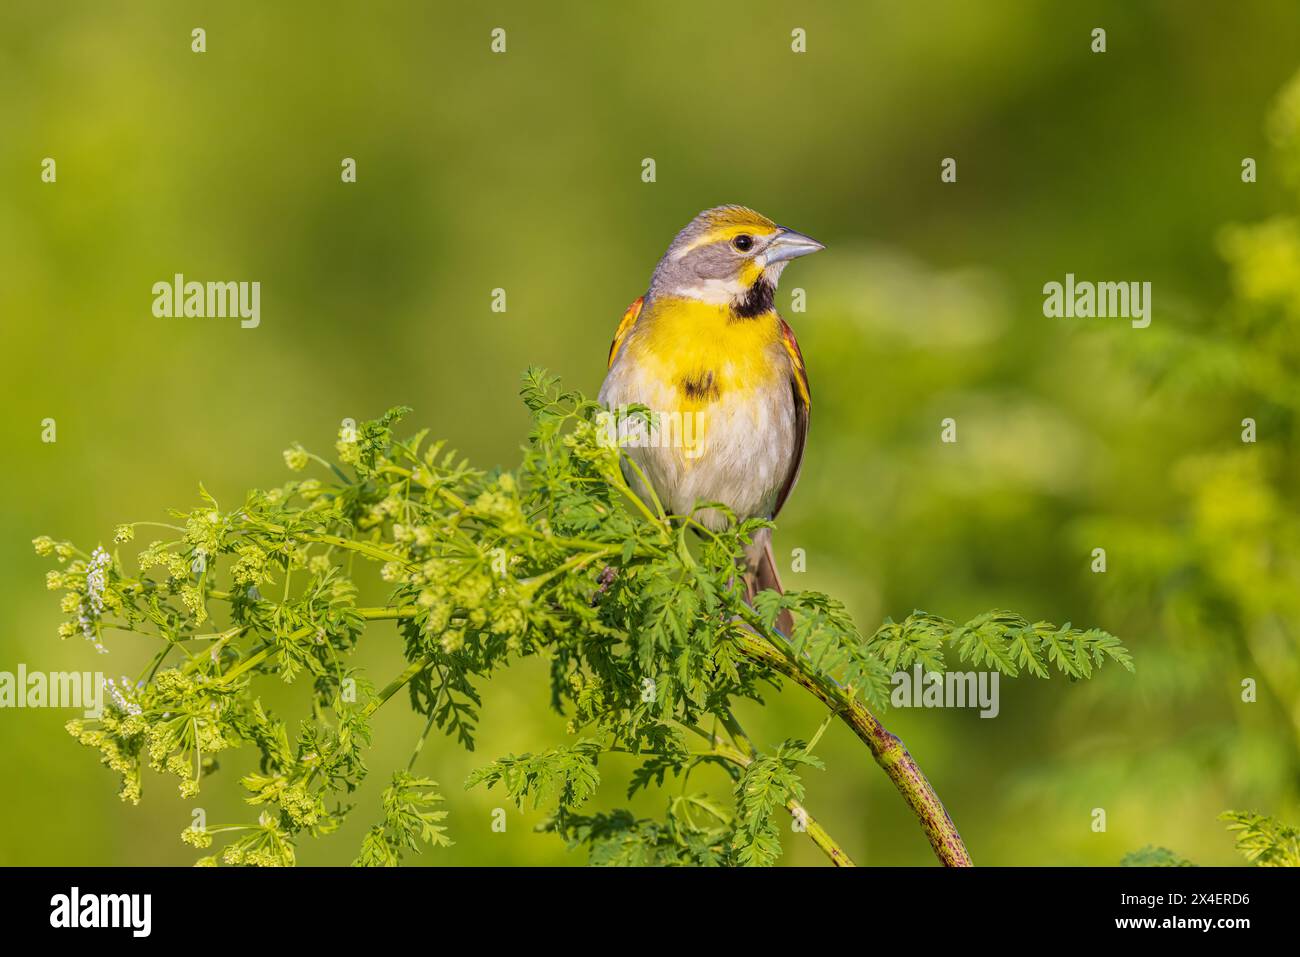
<point>885,747</point>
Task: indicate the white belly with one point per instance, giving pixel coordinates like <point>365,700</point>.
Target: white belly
<point>736,450</point>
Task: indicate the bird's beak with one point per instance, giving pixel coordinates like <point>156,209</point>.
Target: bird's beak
<point>787,244</point>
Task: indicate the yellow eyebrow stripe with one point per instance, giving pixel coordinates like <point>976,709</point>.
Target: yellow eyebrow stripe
<point>726,234</point>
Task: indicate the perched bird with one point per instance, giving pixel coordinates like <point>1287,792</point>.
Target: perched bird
<point>706,352</point>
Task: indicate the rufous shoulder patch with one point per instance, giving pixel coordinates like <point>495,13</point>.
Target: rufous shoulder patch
<point>625,326</point>
<point>796,359</point>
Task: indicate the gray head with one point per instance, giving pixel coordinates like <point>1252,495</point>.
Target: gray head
<point>729,254</point>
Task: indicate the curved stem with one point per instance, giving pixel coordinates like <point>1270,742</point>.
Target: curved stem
<point>818,834</point>
<point>365,548</point>
<point>885,747</point>
<point>262,654</point>
<point>428,725</point>
<point>627,490</point>
<point>416,666</point>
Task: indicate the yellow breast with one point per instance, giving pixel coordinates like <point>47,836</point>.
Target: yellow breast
<point>704,351</point>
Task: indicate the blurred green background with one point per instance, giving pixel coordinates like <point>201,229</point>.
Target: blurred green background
<point>522,171</point>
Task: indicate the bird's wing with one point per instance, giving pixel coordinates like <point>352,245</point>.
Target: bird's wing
<point>625,326</point>
<point>802,406</point>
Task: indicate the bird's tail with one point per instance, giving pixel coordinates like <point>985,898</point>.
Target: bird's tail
<point>762,575</point>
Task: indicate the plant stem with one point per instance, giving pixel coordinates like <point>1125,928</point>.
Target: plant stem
<point>577,561</point>
<point>738,734</point>
<point>391,612</point>
<point>265,652</point>
<point>885,747</point>
<point>428,725</point>
<point>418,665</point>
<point>818,834</point>
<point>365,548</point>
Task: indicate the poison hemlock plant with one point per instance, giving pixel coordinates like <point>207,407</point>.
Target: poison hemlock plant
<point>640,615</point>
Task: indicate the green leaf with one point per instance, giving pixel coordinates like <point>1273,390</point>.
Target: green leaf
<point>1265,841</point>
<point>1151,856</point>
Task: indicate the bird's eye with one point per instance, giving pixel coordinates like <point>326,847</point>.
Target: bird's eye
<point>743,242</point>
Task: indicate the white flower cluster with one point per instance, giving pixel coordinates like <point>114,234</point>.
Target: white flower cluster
<point>93,606</point>
<point>120,695</point>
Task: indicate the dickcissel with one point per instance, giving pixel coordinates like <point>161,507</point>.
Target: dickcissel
<point>706,352</point>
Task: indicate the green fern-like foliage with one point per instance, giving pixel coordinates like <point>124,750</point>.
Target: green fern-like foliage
<point>1265,841</point>
<point>762,792</point>
<point>1000,640</point>
<point>695,832</point>
<point>1151,856</point>
<point>639,615</point>
<point>410,822</point>
<point>565,777</point>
